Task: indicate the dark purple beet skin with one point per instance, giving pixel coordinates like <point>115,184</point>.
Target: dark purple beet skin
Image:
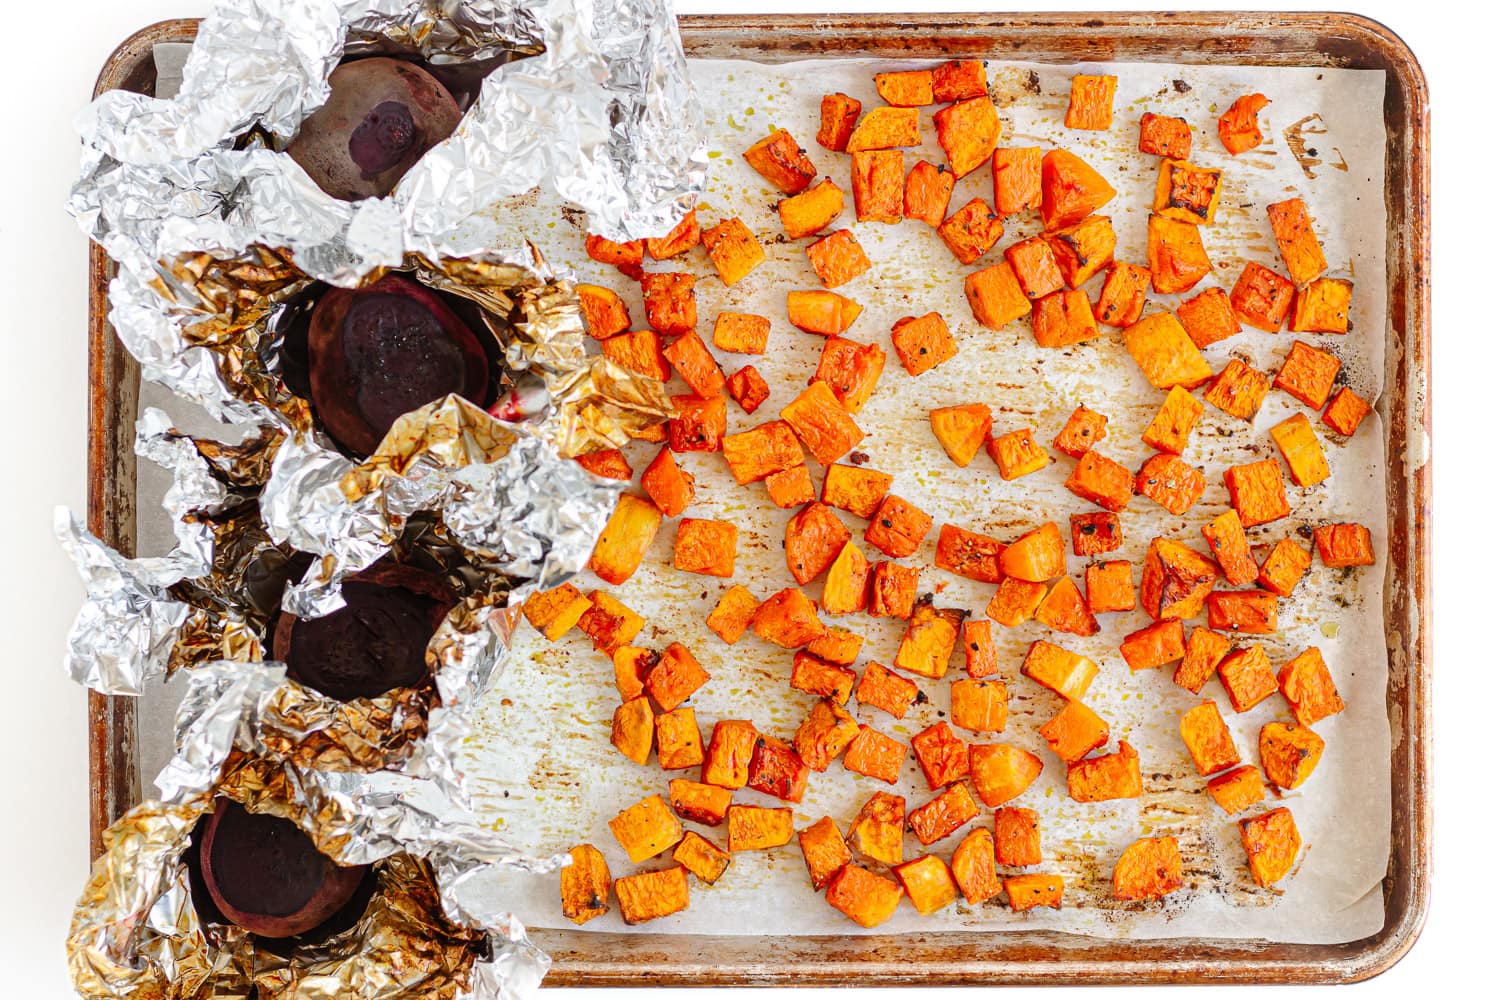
<point>378,352</point>
<point>266,875</point>
<point>381,116</point>
<point>376,642</point>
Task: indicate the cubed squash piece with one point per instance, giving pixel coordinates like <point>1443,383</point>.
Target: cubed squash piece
<point>905,89</point>
<point>1067,673</point>
<point>741,333</point>
<point>749,389</point>
<point>679,745</point>
<point>1257,492</point>
<point>823,850</point>
<point>1238,129</point>
<point>633,729</point>
<point>1036,556</point>
<point>893,590</point>
<point>585,885</point>
<point>922,342</point>
<point>1084,430</point>
<point>1205,649</point>
<point>961,430</point>
<point>959,80</point>
<point>1173,424</point>
<point>1064,610</point>
<point>857,490</point>
<point>1299,447</point>
<point>1322,307</point>
<point>1271,844</point>
<point>1186,192</point>
<point>814,538</point>
<point>1208,317</point>
<point>928,883</point>
<point>670,487</point>
<point>837,115</point>
<point>970,232</point>
<point>625,538</point>
<point>1015,601</point>
<point>1175,254</point>
<point>1027,892</point>
<point>968,554</point>
<point>942,756</point>
<point>697,802</point>
<point>679,240</point>
<point>817,676</point>
<point>624,257</point>
<point>1247,677</point>
<point>824,734</point>
<point>980,659</point>
<point>980,706</point>
<point>1261,297</point>
<point>701,857</point>
<point>1018,179</point>
<point>733,249</point>
<point>1107,777</point>
<point>1346,411</point>
<point>1308,687</point>
<point>1110,586</point>
<point>1208,739</point>
<point>726,763</point>
<point>632,666</point>
<point>837,645</point>
<point>1230,547</point>
<point>781,161</point>
<point>851,370</point>
<point>675,677</point>
<point>876,832</point>
<point>705,546</point>
<point>1150,868</point>
<point>1285,566</point>
<point>837,258</point>
<point>1289,753</point>
<point>1095,533</point>
<point>1101,480</point>
<point>1083,249</point>
<point>609,623</point>
<point>1063,319</point>
<point>995,295</point>
<point>883,689</point>
<point>1300,250</point>
<point>1238,789</point>
<point>1091,102</point>
<point>754,454</point>
<point>928,188</point>
<point>604,312</point>
<point>1017,454</point>
<point>974,866</point>
<point>1122,298</point>
<point>1035,266</point>
<point>1165,136</point>
<point>1018,837</point>
<point>931,634</point>
<point>886,128</point>
<point>821,312</point>
<point>1071,190</point>
<point>646,829</point>
<point>1344,545</point>
<point>1238,390</point>
<point>1165,353</point>
<point>1155,645</point>
<point>968,130</point>
<point>731,616</point>
<point>949,811</point>
<point>864,897</point>
<point>776,770</point>
<point>1001,772</point>
<point>1175,580</point>
<point>1171,482</point>
<point>811,211</point>
<point>1307,374</point>
<point>878,178</point>
<point>650,895</point>
<point>875,755</point>
<point>638,351</point>
<point>699,424</point>
<point>671,304</point>
<point>759,828</point>
<point>898,527</point>
<point>1074,732</point>
<point>553,612</point>
<point>847,588</point>
<point>822,424</point>
<point>607,464</point>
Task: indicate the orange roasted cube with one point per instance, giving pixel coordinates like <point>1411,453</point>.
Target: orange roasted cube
<point>1208,739</point>
<point>625,538</point>
<point>1102,481</point>
<point>893,590</point>
<point>1122,299</point>
<point>1071,190</point>
<point>1110,586</point>
<point>1208,317</point>
<point>1271,844</point>
<point>585,885</point>
<point>1064,610</point>
<point>878,179</point>
<point>837,258</point>
<point>692,360</point>
<point>1091,102</point>
<point>1322,307</point>
<point>968,554</point>
<point>781,161</point>
<point>638,351</point>
<point>1343,545</point>
<point>1288,753</point>
<point>851,370</point>
<point>1165,353</point>
<point>1074,732</point>
<point>822,424</point>
<point>995,295</point>
<point>847,588</point>
<point>1256,491</point>
<point>699,424</point>
<point>646,829</point>
<point>886,128</point>
<point>669,487</point>
<point>1018,837</point>
<point>1307,374</point>
<point>1036,556</point>
<point>811,211</point>
<point>1083,249</point>
<point>1299,447</point>
<point>705,546</point>
<point>1107,777</point>
<point>748,389</point>
<point>754,454</point>
<point>971,231</point>
<point>949,811</point>
<point>702,857</point>
<point>1027,892</point>
<point>875,755</point>
<point>1164,136</point>
<point>604,313</point>
<point>979,706</point>
<point>553,612</point>
<point>961,430</point>
<point>1018,179</point>
<point>980,660</point>
<point>824,734</point>
<point>624,257</point>
<point>823,850</point>
<point>905,89</point>
<point>1015,601</point>
<point>1346,411</point>
<point>1247,677</point>
<point>609,623</point>
<point>649,895</point>
<point>943,757</point>
<point>758,828</point>
<point>1084,429</point>
<point>837,645</point>
<point>1035,267</point>
<point>671,303</point>
<point>633,729</point>
<point>1205,649</point>
<point>1001,772</point>
<point>959,80</point>
<point>632,665</point>
<point>931,634</point>
<point>897,527</point>
<point>1063,319</point>
<point>675,677</point>
<point>1175,254</point>
<point>876,832</point>
<point>733,249</point>
<point>678,743</point>
<point>864,897</point>
<point>1186,192</point>
<point>1155,645</point>
<point>1238,390</point>
<point>814,538</point>
<point>928,188</point>
<point>776,770</point>
<point>731,616</point>
<point>1174,422</point>
<point>1238,789</point>
<point>974,866</point>
<point>1299,246</point>
<point>1238,129</point>
<point>1095,533</point>
<point>1285,566</point>
<point>1261,297</point>
<point>928,883</point>
<point>726,762</point>
<point>1150,868</point>
<point>1067,673</point>
<point>837,116</point>
<point>1230,547</point>
<point>817,676</point>
<point>1171,482</point>
<point>857,490</point>
<point>968,130</point>
<point>697,802</point>
<point>682,238</point>
<point>1017,454</point>
<point>886,690</point>
<point>1175,580</point>
<point>1308,687</point>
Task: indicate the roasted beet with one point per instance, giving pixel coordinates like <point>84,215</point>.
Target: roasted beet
<point>381,116</point>
<point>376,642</point>
<point>265,874</point>
<point>376,353</point>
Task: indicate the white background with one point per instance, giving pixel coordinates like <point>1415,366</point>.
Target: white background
<point>52,58</point>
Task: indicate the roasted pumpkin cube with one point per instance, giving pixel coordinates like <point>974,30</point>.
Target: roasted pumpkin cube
<point>675,677</point>
<point>851,370</point>
<point>604,312</point>
<point>1271,844</point>
<point>1238,390</point>
<point>961,430</point>
<point>1238,789</point>
<point>1289,753</point>
<point>1346,411</point>
<point>678,743</point>
<point>971,231</point>
<point>726,763</point>
<point>632,665</point>
<point>776,770</point>
<point>1018,837</point>
<point>1123,295</point>
<point>1001,772</point>
<point>1035,267</point>
<point>959,80</point>
<point>1299,246</point>
<point>1186,192</point>
<point>1175,254</point>
<point>759,828</point>
<point>1171,482</point>
<point>669,487</point>
<point>1064,610</point>
<point>980,706</point>
<point>823,850</point>
<point>733,249</point>
<point>995,295</point>
<point>1071,190</point>
<point>1307,374</point>
<point>1322,307</point>
<point>1063,319</point>
<point>1261,297</point>
<point>857,490</point>
<point>1101,480</point>
<point>671,303</point>
<point>949,811</point>
<point>1256,492</point>
<point>1343,545</point>
<point>1308,687</point>
<point>837,116</point>
<point>1208,317</point>
<point>943,757</point>
<point>928,188</point>
<point>1164,136</point>
<point>824,734</point>
<point>1067,673</point>
<point>638,351</point>
<point>650,895</point>
<point>897,527</point>
<point>791,488</point>
<point>624,257</point>
<point>1174,422</point>
<point>698,368</point>
<point>609,623</point>
<point>821,312</point>
<point>1208,739</point>
<point>878,179</point>
<point>1247,677</point>
<point>837,645</point>
<point>1027,892</point>
<point>1205,649</point>
<point>1238,129</point>
<point>980,659</point>
<point>700,803</point>
<point>754,454</point>
<point>1155,645</point>
<point>905,89</point>
<point>814,538</point>
<point>1083,249</point>
<point>886,128</point>
<point>699,424</point>
<point>1084,429</point>
<point>893,590</point>
<point>701,857</point>
<point>812,210</point>
<point>679,240</point>
<point>748,389</point>
<point>967,130</point>
<point>822,424</point>
<point>1150,868</point>
<point>931,634</point>
<point>646,829</point>
<point>1110,586</point>
<point>1299,448</point>
<point>1015,601</point>
<point>1175,580</point>
<point>1230,547</point>
<point>1165,353</point>
<point>1285,566</point>
<point>1036,556</point>
<point>1074,732</point>
<point>553,612</point>
<point>876,831</point>
<point>928,883</point>
<point>706,547</point>
<point>731,616</point>
<point>864,897</point>
<point>968,554</point>
<point>1107,777</point>
<point>781,161</point>
<point>817,676</point>
<point>625,538</point>
<point>633,729</point>
<point>1095,533</point>
<point>1017,454</point>
<point>584,885</point>
<point>1091,102</point>
<point>883,689</point>
<point>1018,179</point>
<point>837,258</point>
<point>875,755</point>
<point>847,588</point>
<point>974,866</point>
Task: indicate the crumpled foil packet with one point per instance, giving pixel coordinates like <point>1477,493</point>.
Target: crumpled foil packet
<point>135,931</point>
